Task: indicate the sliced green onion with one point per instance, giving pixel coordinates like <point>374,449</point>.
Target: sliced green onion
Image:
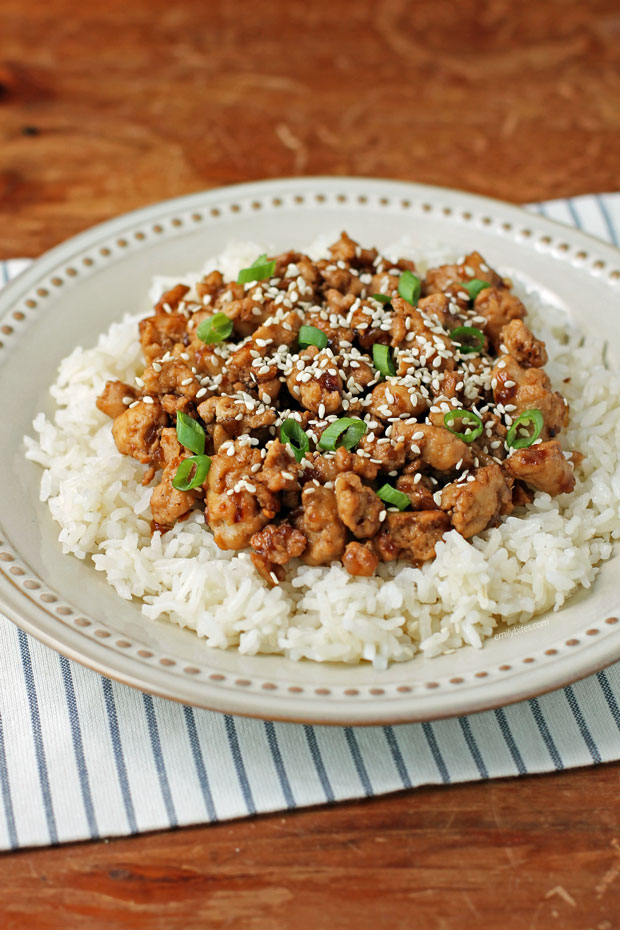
<point>474,287</point>
<point>190,433</point>
<point>382,298</point>
<point>312,336</point>
<point>215,328</point>
<point>529,417</point>
<point>467,338</point>
<point>382,359</point>
<point>199,465</point>
<point>467,418</point>
<point>409,287</point>
<point>347,432</point>
<point>293,435</point>
<point>258,270</point>
<point>392,496</point>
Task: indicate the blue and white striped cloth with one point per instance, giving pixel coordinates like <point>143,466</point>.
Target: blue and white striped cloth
<point>83,757</point>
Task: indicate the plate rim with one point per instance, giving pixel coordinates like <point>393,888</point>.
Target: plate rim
<point>593,655</point>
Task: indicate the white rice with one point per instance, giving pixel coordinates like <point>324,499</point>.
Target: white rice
<point>325,614</point>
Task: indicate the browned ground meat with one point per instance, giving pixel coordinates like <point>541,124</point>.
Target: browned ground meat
<point>521,343</point>
<point>318,520</point>
<point>474,505</point>
<point>544,467</point>
<point>253,392</point>
<point>112,399</point>
<point>137,431</point>
<point>359,559</point>
<point>279,543</point>
<point>359,508</point>
<point>415,535</point>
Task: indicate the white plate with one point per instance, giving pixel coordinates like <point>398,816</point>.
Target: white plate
<point>72,293</point>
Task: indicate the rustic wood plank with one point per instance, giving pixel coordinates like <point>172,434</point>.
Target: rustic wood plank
<point>106,108</point>
<point>533,853</point>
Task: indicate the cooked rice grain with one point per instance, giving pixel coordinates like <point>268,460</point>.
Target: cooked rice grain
<point>325,614</point>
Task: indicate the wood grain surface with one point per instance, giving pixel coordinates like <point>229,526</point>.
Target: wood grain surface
<point>107,107</point>
<point>538,853</point>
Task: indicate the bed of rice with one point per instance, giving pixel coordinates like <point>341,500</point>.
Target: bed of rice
<point>325,614</point>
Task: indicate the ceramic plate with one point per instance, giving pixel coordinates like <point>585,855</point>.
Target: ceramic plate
<point>68,296</point>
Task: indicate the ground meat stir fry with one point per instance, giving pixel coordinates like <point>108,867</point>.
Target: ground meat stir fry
<point>345,409</point>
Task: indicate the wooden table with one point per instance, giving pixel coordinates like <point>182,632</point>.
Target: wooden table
<point>106,107</point>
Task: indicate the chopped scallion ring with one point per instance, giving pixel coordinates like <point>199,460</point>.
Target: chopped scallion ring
<point>474,287</point>
<point>183,479</point>
<point>392,496</point>
<point>259,270</point>
<point>293,435</point>
<point>312,336</point>
<point>347,432</point>
<point>382,359</point>
<point>468,339</point>
<point>515,437</point>
<point>409,287</point>
<point>382,298</point>
<point>215,328</point>
<point>471,422</point>
<point>190,433</point>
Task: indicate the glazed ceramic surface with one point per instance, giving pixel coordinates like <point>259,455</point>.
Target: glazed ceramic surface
<point>71,294</point>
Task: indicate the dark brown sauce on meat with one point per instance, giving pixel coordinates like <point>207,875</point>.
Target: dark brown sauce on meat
<point>504,394</point>
<point>242,391</point>
<point>329,382</point>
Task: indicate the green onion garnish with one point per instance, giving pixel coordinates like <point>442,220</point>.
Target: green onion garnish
<point>199,464</point>
<point>382,359</point>
<point>467,338</point>
<point>258,270</point>
<point>190,433</point>
<point>467,418</point>
<point>392,496</point>
<point>409,287</point>
<point>515,438</point>
<point>312,336</point>
<point>382,298</point>
<point>474,287</point>
<point>292,434</point>
<point>347,432</point>
<point>215,328</point>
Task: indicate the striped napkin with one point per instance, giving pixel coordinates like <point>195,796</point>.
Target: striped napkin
<point>83,757</point>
